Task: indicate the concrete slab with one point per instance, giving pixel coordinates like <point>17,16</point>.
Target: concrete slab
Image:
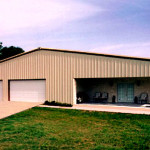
<point>113,108</point>
<point>9,108</point>
<point>107,108</point>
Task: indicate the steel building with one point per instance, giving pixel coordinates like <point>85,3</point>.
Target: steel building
<point>60,75</point>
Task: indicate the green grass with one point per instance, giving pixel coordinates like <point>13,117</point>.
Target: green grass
<point>49,128</point>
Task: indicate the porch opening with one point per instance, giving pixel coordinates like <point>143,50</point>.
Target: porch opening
<point>112,90</point>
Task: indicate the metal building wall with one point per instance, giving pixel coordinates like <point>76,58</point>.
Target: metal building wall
<point>60,68</point>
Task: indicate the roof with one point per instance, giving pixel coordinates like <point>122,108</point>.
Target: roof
<point>77,52</point>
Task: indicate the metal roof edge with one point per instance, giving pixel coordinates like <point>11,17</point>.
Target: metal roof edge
<point>76,51</point>
<point>98,54</point>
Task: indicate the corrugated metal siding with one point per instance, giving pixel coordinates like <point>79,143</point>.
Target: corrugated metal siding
<point>60,68</point>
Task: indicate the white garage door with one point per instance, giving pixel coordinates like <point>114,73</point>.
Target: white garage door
<point>1,91</point>
<point>27,90</point>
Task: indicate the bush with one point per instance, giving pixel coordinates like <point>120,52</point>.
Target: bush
<point>53,103</point>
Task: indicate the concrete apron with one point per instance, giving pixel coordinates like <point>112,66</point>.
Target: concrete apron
<point>10,108</point>
<point>113,108</point>
<point>107,108</point>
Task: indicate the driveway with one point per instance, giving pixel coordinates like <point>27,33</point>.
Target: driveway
<point>9,108</point>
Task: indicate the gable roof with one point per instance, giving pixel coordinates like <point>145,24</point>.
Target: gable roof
<point>77,52</point>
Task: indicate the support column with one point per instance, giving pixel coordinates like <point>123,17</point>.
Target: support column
<point>5,90</point>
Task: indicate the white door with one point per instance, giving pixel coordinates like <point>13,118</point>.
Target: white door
<point>1,91</point>
<point>27,90</point>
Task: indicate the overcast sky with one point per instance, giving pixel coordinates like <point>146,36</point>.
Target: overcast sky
<point>104,26</point>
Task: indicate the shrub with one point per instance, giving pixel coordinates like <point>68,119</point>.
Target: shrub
<point>53,103</point>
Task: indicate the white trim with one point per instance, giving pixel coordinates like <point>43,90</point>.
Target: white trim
<point>74,92</point>
<point>1,90</point>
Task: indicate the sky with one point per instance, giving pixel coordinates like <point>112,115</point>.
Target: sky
<point>119,27</point>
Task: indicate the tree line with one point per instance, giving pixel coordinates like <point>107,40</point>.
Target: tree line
<point>6,52</point>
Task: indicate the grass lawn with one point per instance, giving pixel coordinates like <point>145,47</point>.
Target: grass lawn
<point>49,128</point>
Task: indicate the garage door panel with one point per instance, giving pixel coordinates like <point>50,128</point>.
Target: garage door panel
<point>27,90</point>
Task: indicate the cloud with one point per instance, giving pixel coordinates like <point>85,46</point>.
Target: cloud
<point>140,49</point>
<point>17,15</point>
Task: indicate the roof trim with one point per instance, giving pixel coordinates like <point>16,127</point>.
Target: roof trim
<point>78,52</point>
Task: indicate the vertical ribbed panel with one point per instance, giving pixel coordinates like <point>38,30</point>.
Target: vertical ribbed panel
<point>60,68</point>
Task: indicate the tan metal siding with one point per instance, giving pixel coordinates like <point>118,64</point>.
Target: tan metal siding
<point>60,68</point>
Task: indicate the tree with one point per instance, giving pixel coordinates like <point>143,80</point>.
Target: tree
<point>1,45</point>
<point>9,51</point>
